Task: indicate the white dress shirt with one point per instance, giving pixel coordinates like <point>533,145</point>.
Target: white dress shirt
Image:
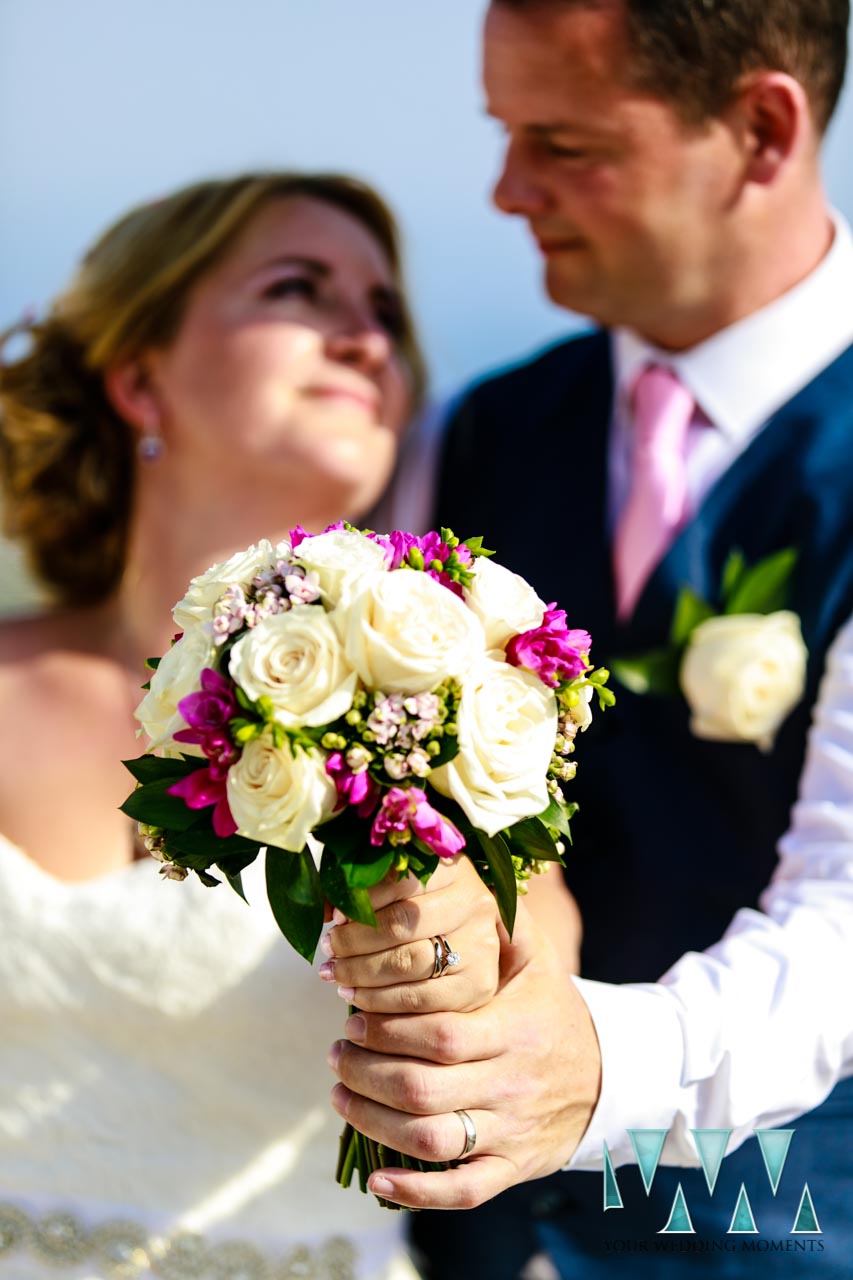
<point>759,1028</point>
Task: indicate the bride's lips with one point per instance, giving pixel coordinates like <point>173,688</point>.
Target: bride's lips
<point>368,402</point>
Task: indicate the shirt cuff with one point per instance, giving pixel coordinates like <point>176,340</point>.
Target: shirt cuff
<point>642,1056</point>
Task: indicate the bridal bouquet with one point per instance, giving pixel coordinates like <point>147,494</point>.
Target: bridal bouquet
<point>360,704</point>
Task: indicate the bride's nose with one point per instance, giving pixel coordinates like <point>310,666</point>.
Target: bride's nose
<point>362,342</point>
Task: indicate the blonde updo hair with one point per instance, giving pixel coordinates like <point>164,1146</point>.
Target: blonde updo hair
<point>67,458</point>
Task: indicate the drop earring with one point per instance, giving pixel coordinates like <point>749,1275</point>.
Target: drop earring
<point>150,446</point>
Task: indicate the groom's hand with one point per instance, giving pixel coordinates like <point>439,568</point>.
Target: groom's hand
<point>526,1067</point>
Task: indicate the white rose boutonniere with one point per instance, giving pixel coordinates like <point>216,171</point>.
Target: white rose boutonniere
<point>742,670</point>
<point>742,674</point>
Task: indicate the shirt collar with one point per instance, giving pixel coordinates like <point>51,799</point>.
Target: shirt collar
<point>744,373</point>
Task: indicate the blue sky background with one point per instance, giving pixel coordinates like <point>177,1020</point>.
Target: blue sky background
<point>104,103</point>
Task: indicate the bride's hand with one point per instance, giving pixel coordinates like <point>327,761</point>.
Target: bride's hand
<point>390,968</point>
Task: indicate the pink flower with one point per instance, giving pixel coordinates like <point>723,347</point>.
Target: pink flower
<point>200,790</point>
<point>353,787</point>
<point>551,651</point>
<point>406,812</point>
<point>297,536</point>
<point>207,713</point>
<point>401,544</point>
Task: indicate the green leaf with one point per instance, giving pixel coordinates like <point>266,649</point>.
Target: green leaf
<point>296,898</point>
<point>353,900</point>
<point>764,588</point>
<point>690,610</point>
<point>363,875</point>
<point>202,848</point>
<point>652,672</point>
<point>236,883</point>
<point>733,571</point>
<point>532,839</point>
<point>152,663</point>
<point>497,855</point>
<point>555,816</point>
<point>150,803</point>
<point>449,744</point>
<point>150,768</point>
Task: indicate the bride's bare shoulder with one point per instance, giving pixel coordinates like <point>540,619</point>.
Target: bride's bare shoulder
<point>48,656</point>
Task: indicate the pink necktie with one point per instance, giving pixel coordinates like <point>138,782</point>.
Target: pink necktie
<point>657,501</point>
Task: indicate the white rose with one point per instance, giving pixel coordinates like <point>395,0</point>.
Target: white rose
<point>742,674</point>
<point>341,560</point>
<point>209,587</point>
<point>178,674</point>
<point>277,796</point>
<point>505,604</point>
<point>297,661</point>
<point>507,726</point>
<point>406,633</point>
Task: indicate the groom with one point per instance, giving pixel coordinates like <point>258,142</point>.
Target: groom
<point>665,157</point>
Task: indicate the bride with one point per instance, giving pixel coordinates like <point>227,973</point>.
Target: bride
<point>230,361</point>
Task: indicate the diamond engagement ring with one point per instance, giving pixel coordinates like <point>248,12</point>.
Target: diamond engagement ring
<point>445,956</point>
<point>470,1134</point>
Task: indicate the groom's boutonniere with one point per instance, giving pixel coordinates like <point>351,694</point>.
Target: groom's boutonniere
<point>741,667</point>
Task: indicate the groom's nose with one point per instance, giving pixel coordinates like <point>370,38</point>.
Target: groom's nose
<point>517,190</point>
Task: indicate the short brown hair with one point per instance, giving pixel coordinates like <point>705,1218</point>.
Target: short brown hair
<point>695,52</point>
<point>67,459</point>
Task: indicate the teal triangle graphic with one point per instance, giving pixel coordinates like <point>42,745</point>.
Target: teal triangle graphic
<point>647,1144</point>
<point>743,1223</point>
<point>612,1196</point>
<point>774,1145</point>
<point>679,1223</point>
<point>806,1223</point>
<point>711,1145</point>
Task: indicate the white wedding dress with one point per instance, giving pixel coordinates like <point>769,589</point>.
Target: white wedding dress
<point>164,1095</point>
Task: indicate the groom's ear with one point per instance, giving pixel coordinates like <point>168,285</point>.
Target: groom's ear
<point>773,123</point>
<point>129,389</point>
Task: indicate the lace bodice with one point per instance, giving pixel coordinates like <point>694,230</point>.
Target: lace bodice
<point>163,1062</point>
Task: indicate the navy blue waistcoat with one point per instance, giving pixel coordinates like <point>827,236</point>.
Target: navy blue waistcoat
<point>674,834</point>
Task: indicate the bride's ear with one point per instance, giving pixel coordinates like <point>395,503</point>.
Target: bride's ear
<point>129,390</point>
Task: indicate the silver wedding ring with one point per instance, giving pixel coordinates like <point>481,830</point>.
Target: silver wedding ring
<point>470,1134</point>
<point>445,956</point>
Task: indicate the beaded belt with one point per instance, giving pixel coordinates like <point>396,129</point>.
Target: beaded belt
<point>120,1250</point>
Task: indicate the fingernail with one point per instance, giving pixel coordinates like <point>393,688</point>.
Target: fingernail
<point>334,1054</point>
<point>326,945</point>
<point>346,993</point>
<point>355,1029</point>
<point>380,1186</point>
<point>340,1099</point>
<point>327,971</point>
<point>338,917</point>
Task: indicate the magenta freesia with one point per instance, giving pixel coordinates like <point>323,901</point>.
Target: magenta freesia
<point>199,790</point>
<point>207,713</point>
<point>551,651</point>
<point>354,787</point>
<point>434,553</point>
<point>406,812</point>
